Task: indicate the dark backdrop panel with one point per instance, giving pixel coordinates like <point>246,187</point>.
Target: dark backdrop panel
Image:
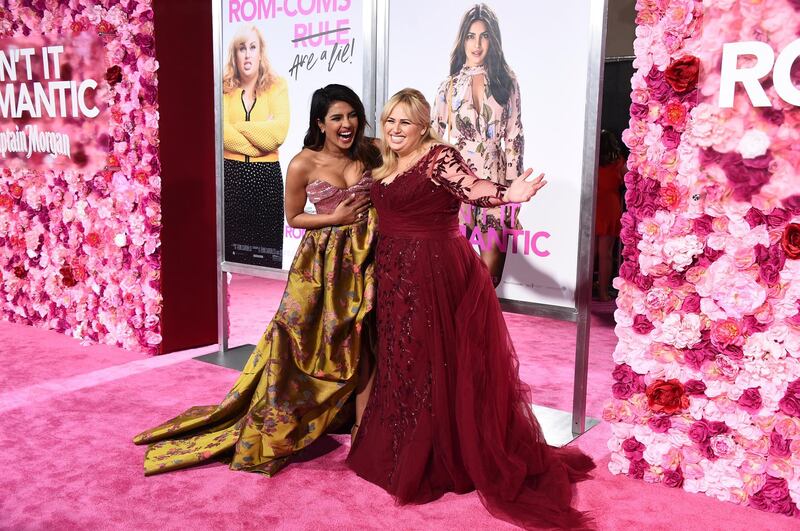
<point>183,33</point>
<point>617,96</point>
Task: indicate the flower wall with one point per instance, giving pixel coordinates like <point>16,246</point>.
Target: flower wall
<point>80,241</point>
<point>707,377</point>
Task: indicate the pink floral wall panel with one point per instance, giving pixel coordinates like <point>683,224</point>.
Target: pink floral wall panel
<point>707,382</point>
<point>79,235</point>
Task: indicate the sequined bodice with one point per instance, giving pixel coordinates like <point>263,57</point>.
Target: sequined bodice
<point>326,197</point>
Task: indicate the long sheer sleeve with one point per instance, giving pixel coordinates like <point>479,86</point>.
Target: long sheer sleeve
<point>514,140</point>
<point>449,170</point>
<point>439,112</point>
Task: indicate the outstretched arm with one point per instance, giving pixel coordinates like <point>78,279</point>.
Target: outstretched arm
<point>449,170</point>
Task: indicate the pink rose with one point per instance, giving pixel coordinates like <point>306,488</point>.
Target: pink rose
<point>778,446</point>
<point>770,261</point>
<point>673,478</point>
<point>755,217</point>
<point>790,403</point>
<point>746,176</point>
<point>702,226</point>
<point>642,324</point>
<point>694,387</point>
<point>622,390</point>
<point>633,449</point>
<point>774,497</point>
<point>700,432</point>
<point>750,400</point>
<point>727,332</point>
<point>722,445</point>
<point>777,217</point>
<point>792,204</point>
<point>691,303</point>
<point>638,468</point>
<point>639,111</point>
<point>670,138</point>
<point>660,423</point>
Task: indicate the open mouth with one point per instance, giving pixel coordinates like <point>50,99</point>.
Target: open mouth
<point>345,136</point>
<point>396,138</point>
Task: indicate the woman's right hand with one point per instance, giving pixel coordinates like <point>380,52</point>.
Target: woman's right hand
<point>351,210</point>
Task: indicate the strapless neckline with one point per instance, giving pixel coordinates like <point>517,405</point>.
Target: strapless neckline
<point>322,181</point>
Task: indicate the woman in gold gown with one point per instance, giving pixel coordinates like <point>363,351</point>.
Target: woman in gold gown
<point>298,381</point>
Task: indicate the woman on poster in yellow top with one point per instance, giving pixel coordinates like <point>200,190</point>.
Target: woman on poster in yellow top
<point>256,119</point>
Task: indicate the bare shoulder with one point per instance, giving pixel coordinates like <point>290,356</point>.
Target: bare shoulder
<point>301,165</point>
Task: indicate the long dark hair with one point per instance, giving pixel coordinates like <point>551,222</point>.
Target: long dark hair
<point>362,149</point>
<point>500,74</point>
<point>609,148</point>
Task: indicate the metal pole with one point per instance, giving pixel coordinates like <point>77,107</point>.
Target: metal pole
<point>370,43</point>
<point>583,292</point>
<point>222,284</point>
<point>381,57</point>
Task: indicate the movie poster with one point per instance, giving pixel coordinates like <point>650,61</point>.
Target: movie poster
<point>507,83</point>
<point>275,54</point>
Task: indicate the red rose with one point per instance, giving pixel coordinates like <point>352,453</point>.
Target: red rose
<point>20,272</point>
<point>105,27</point>
<point>93,239</point>
<point>791,241</point>
<point>141,176</point>
<point>66,276</point>
<point>666,396</point>
<point>113,75</point>
<point>682,73</point>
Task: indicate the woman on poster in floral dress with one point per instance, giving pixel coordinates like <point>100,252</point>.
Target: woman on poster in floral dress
<point>477,109</point>
<point>314,354</point>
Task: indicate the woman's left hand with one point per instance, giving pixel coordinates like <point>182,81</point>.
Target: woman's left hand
<point>524,187</point>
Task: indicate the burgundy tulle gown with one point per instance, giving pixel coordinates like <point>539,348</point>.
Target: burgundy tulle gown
<point>448,412</point>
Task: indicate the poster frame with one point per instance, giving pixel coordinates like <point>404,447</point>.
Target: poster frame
<point>578,313</point>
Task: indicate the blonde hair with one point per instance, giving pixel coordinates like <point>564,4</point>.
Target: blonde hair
<point>420,111</point>
<point>232,78</point>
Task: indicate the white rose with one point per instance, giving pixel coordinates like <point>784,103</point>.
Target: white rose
<point>753,144</point>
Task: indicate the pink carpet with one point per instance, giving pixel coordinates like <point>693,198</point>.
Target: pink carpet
<point>67,414</point>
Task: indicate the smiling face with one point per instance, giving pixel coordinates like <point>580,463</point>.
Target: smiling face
<point>402,134</point>
<point>340,125</point>
<point>476,43</point>
<point>247,56</point>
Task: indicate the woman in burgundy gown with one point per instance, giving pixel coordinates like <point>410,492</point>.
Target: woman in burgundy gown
<point>448,412</point>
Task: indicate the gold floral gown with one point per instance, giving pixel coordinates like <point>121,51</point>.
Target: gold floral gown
<point>297,382</point>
